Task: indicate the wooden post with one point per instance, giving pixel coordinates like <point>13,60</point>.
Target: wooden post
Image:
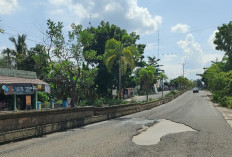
<point>36,100</point>
<point>14,102</point>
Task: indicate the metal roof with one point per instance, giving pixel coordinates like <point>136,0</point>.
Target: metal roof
<point>15,80</point>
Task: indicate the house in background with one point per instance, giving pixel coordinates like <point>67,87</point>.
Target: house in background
<point>18,89</point>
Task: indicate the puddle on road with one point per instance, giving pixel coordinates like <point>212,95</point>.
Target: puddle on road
<point>152,135</point>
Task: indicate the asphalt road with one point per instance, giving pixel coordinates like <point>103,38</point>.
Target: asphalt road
<point>114,137</point>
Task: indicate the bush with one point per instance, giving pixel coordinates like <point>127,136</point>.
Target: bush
<point>173,92</point>
<point>99,102</point>
<point>124,102</point>
<point>215,97</point>
<point>112,102</point>
<point>133,101</point>
<point>82,103</point>
<point>43,97</point>
<point>228,102</point>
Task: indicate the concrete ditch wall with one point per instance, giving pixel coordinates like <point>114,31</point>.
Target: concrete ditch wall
<point>22,125</point>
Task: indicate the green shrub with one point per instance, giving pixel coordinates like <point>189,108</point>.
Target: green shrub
<point>173,92</point>
<point>43,97</point>
<point>82,103</point>
<point>150,100</point>
<point>133,101</point>
<point>223,101</point>
<point>215,97</point>
<point>229,102</point>
<point>99,102</point>
<point>124,102</point>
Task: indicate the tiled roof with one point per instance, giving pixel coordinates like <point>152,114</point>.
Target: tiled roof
<point>13,80</point>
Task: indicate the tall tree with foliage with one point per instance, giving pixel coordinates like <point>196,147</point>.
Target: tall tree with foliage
<point>223,42</point>
<point>116,53</point>
<point>146,78</point>
<point>67,61</point>
<point>107,81</point>
<point>9,56</point>
<point>152,61</point>
<point>20,49</point>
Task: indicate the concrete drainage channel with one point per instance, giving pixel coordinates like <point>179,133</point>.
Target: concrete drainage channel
<point>150,135</point>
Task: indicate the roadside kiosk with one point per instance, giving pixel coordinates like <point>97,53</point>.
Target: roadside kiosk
<point>18,89</point>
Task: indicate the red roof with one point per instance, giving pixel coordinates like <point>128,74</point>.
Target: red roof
<point>14,80</point>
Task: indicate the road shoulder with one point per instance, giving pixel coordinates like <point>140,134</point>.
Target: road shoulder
<point>227,113</point>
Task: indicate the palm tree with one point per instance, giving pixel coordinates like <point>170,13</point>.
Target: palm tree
<point>8,52</point>
<point>116,53</point>
<point>20,48</point>
<point>146,78</point>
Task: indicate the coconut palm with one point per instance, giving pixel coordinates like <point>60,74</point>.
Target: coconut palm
<point>9,53</point>
<point>20,48</point>
<point>116,53</point>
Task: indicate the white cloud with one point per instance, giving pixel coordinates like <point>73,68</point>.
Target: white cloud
<point>211,39</point>
<point>180,28</point>
<point>7,6</point>
<point>150,46</point>
<point>189,45</point>
<point>126,14</point>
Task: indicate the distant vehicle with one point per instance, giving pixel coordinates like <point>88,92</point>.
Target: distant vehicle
<point>195,90</point>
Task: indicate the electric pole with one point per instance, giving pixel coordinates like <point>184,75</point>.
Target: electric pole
<point>183,64</point>
<point>158,43</point>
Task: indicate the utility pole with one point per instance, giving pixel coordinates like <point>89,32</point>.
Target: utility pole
<point>158,43</point>
<point>183,64</point>
<point>90,20</point>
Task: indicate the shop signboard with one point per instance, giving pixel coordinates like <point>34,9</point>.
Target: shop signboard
<point>20,89</point>
<point>47,89</point>
<point>5,88</point>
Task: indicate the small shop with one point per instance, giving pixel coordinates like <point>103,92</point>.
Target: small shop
<point>18,89</point>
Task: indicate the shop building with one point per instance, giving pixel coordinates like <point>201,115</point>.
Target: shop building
<point>18,89</point>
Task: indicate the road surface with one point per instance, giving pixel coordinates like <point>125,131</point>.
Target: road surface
<point>213,135</point>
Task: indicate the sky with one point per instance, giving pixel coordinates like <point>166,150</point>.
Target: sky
<point>175,31</point>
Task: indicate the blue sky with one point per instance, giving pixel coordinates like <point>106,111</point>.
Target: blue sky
<point>186,27</point>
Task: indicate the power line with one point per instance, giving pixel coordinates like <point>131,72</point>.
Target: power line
<point>21,31</point>
<point>10,35</point>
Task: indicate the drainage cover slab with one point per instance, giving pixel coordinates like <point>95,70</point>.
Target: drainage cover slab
<point>152,135</point>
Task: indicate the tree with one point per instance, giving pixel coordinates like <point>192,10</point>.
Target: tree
<point>180,82</point>
<point>67,75</point>
<point>37,60</point>
<point>146,78</point>
<point>9,57</point>
<point>105,80</point>
<point>20,51</point>
<point>116,53</point>
<point>1,29</point>
<point>223,40</point>
<point>152,61</point>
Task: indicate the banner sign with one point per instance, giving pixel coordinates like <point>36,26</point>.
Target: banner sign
<point>5,88</point>
<point>20,89</point>
<point>47,89</point>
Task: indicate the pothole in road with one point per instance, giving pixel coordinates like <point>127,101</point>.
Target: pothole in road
<point>152,135</point>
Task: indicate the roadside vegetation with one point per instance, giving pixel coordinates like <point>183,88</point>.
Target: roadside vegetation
<point>218,77</point>
<point>87,64</point>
